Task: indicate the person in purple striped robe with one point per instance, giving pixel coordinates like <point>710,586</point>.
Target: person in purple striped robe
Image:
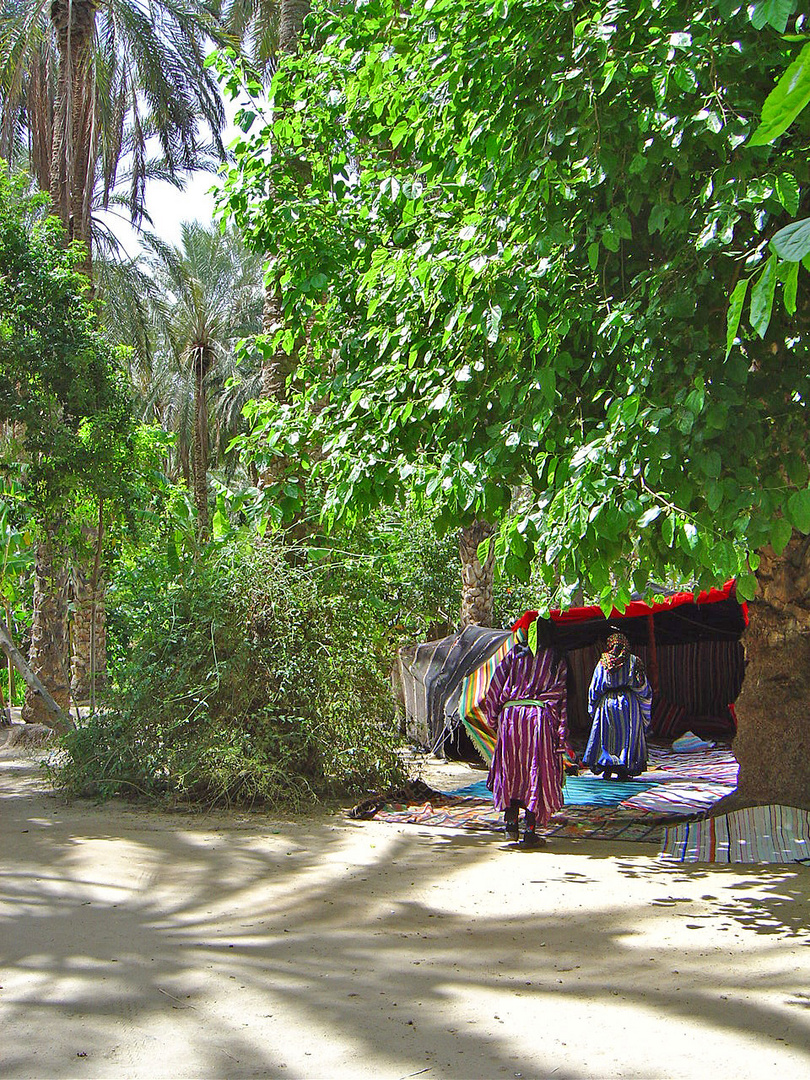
<point>619,702</point>
<point>526,705</point>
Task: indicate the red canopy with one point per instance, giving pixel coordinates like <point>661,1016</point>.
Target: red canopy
<point>635,608</point>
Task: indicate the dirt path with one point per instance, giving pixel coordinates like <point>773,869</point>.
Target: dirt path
<point>142,945</point>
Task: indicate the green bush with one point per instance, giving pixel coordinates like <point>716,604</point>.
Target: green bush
<point>248,680</point>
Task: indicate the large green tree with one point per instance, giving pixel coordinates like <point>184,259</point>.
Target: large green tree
<point>515,251</point>
<point>62,390</point>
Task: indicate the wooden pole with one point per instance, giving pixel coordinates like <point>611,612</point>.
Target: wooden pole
<point>652,654</point>
<point>94,605</point>
<point>3,707</point>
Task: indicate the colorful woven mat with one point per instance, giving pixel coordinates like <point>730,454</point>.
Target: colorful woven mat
<point>757,834</point>
<point>679,796</point>
<point>584,790</point>
<point>582,822</point>
<point>675,785</point>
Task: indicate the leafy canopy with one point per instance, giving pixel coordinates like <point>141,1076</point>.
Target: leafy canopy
<point>505,236</point>
<point>791,243</point>
<point>61,384</point>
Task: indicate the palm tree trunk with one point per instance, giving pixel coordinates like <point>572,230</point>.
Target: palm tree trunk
<point>48,658</point>
<point>184,461</point>
<point>41,120</point>
<point>88,639</point>
<point>290,20</point>
<point>57,718</point>
<point>73,134</point>
<point>71,184</point>
<point>476,578</point>
<point>200,447</point>
<point>277,368</point>
<point>773,737</point>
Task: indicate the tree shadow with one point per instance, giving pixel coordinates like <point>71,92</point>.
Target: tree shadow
<point>199,944</point>
<point>778,907</point>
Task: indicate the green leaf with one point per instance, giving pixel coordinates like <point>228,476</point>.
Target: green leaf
<point>593,254</point>
<point>790,287</point>
<point>773,12</point>
<point>668,529</point>
<point>608,72</point>
<point>482,553</point>
<point>735,307</point>
<point>172,556</point>
<point>785,101</point>
<point>787,191</point>
<point>711,463</point>
<point>533,637</point>
<point>695,400</point>
<point>796,469</point>
<point>689,538</point>
<point>660,80</point>
<point>685,79</point>
<point>397,135</point>
<point>606,601</point>
<point>713,494</point>
<point>762,298</point>
<point>793,242</point>
<point>629,408</point>
<point>493,323</point>
<point>798,510</point>
<point>658,218</point>
<point>548,383</point>
<point>649,516</point>
<point>610,240</point>
<point>781,532</point>
<point>746,586</point>
<point>220,525</point>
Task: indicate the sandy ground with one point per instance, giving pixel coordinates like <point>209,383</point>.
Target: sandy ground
<point>146,945</point>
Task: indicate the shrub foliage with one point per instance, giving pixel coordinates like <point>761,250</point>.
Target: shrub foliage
<point>250,680</point>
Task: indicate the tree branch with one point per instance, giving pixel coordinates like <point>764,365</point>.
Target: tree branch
<point>62,720</point>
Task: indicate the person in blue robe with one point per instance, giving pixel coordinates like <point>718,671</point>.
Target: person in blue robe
<point>619,703</point>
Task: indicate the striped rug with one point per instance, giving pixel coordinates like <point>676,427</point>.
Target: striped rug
<point>757,834</point>
<point>717,765</point>
<point>679,796</point>
<point>674,786</point>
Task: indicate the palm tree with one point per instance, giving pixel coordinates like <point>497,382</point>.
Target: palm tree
<point>84,84</point>
<point>204,296</point>
<point>255,25</point>
<point>268,30</point>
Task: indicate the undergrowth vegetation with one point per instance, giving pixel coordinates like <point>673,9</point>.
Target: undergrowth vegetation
<point>248,680</point>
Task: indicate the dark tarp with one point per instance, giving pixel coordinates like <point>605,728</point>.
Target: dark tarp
<point>431,677</point>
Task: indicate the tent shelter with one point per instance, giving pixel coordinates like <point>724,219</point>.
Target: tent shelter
<point>690,646</point>
<point>431,676</point>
